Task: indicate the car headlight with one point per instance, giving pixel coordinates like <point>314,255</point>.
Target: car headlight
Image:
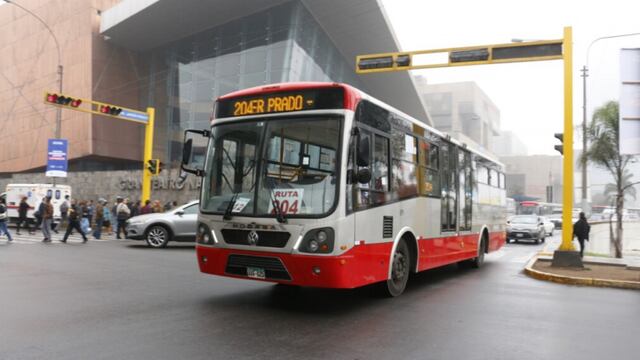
<point>318,241</point>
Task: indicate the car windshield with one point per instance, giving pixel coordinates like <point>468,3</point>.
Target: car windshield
<point>524,220</point>
<point>252,165</point>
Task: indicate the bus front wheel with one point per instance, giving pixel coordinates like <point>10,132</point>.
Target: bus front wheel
<point>400,269</point>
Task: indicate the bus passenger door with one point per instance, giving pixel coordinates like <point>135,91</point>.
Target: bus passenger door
<point>465,192</point>
<point>449,207</point>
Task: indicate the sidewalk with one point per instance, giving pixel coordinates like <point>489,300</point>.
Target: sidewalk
<point>598,270</point>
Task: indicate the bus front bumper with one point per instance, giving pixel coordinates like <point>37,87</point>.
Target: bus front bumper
<point>359,266</point>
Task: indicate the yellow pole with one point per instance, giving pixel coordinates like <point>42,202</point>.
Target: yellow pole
<point>148,153</point>
<point>567,161</point>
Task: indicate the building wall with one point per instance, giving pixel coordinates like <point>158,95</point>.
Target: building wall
<point>92,185</point>
<point>462,109</point>
<point>538,171</point>
<point>28,67</point>
<point>509,144</point>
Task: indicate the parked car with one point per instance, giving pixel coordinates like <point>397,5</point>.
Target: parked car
<point>548,225</point>
<point>526,227</point>
<point>158,229</point>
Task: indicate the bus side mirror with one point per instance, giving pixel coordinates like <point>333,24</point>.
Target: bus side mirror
<point>193,152</point>
<point>364,176</point>
<point>363,151</point>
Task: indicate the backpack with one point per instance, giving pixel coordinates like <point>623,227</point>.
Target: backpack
<point>3,212</point>
<point>64,208</point>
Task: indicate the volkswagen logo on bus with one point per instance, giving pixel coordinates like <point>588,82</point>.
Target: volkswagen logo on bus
<point>252,238</point>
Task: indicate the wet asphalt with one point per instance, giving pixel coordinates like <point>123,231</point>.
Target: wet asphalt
<point>121,300</point>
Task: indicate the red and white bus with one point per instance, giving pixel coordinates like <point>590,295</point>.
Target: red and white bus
<point>319,184</point>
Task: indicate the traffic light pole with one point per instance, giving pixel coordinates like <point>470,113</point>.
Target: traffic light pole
<point>148,153</point>
<point>567,143</point>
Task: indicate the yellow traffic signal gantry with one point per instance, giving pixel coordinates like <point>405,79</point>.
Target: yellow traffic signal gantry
<point>121,113</point>
<point>560,49</point>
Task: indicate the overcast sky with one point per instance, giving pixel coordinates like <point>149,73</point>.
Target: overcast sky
<point>529,95</point>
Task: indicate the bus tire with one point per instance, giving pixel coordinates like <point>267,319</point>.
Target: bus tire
<point>479,259</point>
<point>400,269</point>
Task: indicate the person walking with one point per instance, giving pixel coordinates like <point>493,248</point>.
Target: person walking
<point>135,209</point>
<point>146,209</point>
<point>106,214</point>
<point>581,230</point>
<point>38,213</point>
<point>98,219</point>
<point>23,209</point>
<point>114,214</point>
<point>47,219</point>
<point>64,212</point>
<point>122,214</point>
<point>75,212</point>
<point>3,220</point>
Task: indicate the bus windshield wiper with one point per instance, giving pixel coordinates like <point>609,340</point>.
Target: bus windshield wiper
<point>229,209</point>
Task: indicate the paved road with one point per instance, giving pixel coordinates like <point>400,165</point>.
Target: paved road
<point>120,300</point>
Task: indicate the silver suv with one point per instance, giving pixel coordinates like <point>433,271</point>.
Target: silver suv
<point>158,229</point>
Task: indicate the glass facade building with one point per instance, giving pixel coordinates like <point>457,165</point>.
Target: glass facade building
<point>281,44</point>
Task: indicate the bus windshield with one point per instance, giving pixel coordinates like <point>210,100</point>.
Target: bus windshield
<point>253,165</point>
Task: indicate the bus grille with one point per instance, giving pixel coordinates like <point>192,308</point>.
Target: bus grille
<point>276,239</point>
<point>273,267</point>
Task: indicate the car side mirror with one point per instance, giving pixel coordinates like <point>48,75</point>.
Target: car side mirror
<point>179,212</point>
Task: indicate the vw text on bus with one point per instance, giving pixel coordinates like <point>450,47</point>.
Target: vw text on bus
<point>319,184</point>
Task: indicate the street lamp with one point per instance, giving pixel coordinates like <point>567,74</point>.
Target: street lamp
<point>585,70</point>
<point>60,69</point>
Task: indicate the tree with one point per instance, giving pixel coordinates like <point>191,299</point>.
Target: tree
<point>611,189</point>
<point>603,135</point>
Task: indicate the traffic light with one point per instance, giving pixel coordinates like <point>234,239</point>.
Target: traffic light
<point>153,166</point>
<point>383,62</point>
<point>62,100</point>
<point>110,110</point>
<point>559,148</point>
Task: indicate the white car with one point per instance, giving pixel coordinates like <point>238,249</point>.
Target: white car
<point>548,225</point>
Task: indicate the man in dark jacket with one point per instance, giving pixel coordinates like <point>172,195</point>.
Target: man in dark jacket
<point>75,212</point>
<point>23,208</point>
<point>581,230</point>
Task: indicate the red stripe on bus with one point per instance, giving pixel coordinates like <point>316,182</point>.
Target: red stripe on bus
<point>361,265</point>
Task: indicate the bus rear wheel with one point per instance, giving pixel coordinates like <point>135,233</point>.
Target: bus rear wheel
<point>400,269</point>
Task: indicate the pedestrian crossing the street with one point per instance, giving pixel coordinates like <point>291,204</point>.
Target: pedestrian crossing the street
<point>35,238</point>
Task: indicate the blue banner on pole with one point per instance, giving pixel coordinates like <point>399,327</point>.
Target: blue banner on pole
<point>134,115</point>
<point>57,158</point>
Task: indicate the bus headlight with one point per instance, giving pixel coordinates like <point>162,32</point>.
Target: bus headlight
<point>318,241</point>
<point>203,235</point>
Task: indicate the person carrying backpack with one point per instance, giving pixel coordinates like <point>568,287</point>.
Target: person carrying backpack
<point>75,212</point>
<point>3,220</point>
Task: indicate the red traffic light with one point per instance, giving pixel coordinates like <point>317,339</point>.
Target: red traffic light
<point>110,110</point>
<point>52,98</point>
<point>76,103</point>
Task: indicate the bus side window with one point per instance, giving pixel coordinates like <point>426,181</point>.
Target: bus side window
<point>57,194</point>
<point>49,193</point>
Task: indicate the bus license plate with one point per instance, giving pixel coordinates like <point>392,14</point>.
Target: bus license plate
<point>519,235</point>
<point>256,273</point>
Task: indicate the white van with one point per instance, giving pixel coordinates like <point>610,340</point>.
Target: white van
<point>35,193</point>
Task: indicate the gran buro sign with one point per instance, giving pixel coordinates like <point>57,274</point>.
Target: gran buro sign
<point>159,183</point>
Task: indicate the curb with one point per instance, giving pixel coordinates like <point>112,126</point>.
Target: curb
<point>568,280</point>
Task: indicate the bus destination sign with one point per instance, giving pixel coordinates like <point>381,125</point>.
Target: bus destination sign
<point>307,99</point>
